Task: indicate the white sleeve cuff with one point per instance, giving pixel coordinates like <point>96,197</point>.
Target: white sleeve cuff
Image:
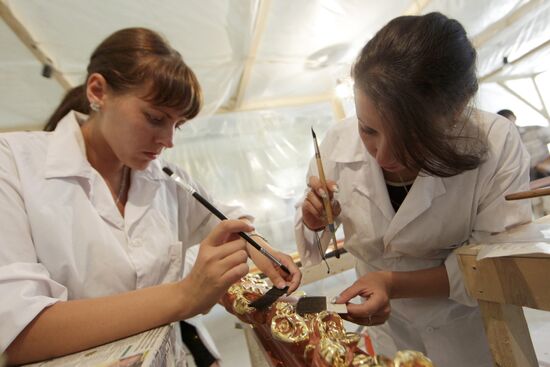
<point>457,288</point>
<point>26,289</point>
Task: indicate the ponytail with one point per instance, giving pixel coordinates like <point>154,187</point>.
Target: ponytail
<point>76,100</point>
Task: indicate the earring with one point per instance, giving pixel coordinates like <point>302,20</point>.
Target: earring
<point>94,106</point>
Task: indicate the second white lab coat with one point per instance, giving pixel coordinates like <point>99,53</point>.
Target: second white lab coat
<point>63,238</point>
<point>437,216</point>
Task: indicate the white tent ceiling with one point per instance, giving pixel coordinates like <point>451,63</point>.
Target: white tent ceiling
<point>248,54</point>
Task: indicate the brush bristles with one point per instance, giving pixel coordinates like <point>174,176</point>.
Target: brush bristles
<point>311,305</point>
<point>268,298</point>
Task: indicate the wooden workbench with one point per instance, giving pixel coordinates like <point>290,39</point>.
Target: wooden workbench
<point>502,285</point>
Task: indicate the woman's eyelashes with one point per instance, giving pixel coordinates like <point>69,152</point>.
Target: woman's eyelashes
<point>367,130</point>
<point>179,125</point>
<point>161,120</point>
<point>154,119</point>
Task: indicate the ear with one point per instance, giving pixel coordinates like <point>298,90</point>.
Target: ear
<point>96,88</point>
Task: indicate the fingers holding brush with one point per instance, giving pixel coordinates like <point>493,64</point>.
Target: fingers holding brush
<point>221,261</point>
<point>278,277</point>
<point>313,206</point>
<point>374,288</point>
<point>295,277</point>
<point>315,184</point>
<point>371,320</point>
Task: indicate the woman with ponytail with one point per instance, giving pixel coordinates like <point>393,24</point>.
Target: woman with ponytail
<point>94,232</point>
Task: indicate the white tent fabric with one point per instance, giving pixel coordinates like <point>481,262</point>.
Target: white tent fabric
<point>248,54</point>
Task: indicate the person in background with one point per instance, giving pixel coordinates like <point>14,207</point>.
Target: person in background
<point>536,140</point>
<point>508,114</point>
<point>93,231</point>
<point>417,173</point>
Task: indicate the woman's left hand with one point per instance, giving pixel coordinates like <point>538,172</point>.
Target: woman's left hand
<point>375,289</point>
<point>278,277</point>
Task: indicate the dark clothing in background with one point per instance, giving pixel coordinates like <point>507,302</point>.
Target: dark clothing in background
<point>201,355</point>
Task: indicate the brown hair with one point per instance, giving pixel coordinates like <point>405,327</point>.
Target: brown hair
<point>507,113</point>
<point>133,58</point>
<point>420,73</point>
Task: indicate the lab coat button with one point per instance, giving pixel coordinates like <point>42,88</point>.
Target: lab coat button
<point>429,329</point>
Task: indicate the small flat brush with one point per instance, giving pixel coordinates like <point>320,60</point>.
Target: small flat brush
<point>268,298</point>
<point>318,304</point>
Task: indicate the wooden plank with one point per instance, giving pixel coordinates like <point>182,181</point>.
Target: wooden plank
<point>487,77</point>
<point>416,7</point>
<point>521,281</point>
<point>494,29</point>
<point>277,103</point>
<point>508,335</point>
<point>25,37</point>
<point>259,30</point>
<point>257,353</point>
<point>317,272</point>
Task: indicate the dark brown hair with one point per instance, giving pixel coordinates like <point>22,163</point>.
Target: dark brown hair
<point>506,113</point>
<point>135,58</point>
<point>419,71</point>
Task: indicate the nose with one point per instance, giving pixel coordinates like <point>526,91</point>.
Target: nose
<point>166,137</point>
<point>384,154</point>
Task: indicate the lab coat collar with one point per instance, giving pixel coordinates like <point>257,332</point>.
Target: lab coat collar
<point>66,155</point>
<point>143,189</point>
<point>349,149</point>
<point>66,158</point>
<point>153,172</point>
<point>423,191</point>
<point>375,190</point>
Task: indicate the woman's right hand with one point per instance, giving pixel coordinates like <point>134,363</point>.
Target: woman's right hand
<point>222,261</point>
<point>313,209</point>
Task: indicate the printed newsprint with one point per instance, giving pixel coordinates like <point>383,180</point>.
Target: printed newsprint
<point>153,348</point>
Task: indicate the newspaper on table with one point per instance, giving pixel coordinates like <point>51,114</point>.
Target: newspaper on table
<point>153,348</point>
<point>532,239</point>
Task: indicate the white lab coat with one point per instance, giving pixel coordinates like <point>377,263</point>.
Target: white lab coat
<point>437,216</point>
<point>63,237</point>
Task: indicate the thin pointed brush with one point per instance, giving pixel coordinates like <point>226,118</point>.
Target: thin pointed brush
<point>326,200</point>
<point>220,215</point>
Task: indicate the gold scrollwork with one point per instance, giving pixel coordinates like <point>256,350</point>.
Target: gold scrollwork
<point>330,325</point>
<point>287,326</point>
<point>410,358</point>
<point>333,352</point>
<point>251,283</point>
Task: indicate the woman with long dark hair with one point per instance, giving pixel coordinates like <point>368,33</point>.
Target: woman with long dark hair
<point>418,172</point>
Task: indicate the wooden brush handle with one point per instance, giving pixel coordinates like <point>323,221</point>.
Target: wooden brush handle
<point>528,194</point>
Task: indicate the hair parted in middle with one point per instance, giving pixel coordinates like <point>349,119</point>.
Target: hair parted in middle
<point>419,71</point>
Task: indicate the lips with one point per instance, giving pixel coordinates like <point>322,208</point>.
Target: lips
<point>152,155</point>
